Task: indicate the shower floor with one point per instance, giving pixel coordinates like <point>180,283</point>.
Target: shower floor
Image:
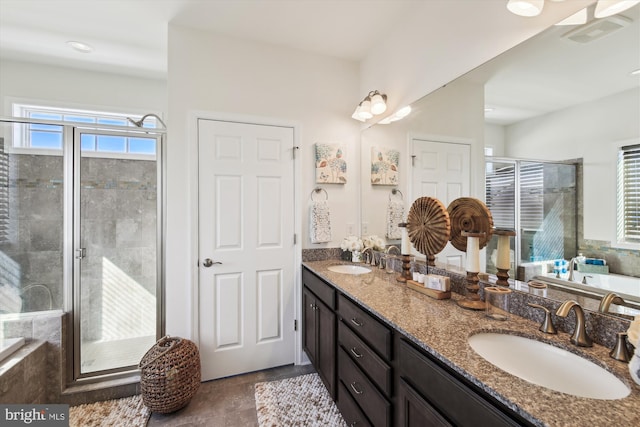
<point>102,355</point>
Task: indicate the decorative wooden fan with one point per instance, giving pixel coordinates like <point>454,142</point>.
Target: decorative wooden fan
<point>428,226</point>
<point>471,215</point>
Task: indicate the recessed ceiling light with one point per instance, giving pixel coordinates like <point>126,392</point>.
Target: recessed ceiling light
<point>488,109</point>
<point>80,47</point>
<point>635,72</point>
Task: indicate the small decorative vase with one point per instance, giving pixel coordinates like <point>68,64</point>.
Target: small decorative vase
<point>634,366</point>
<point>356,256</point>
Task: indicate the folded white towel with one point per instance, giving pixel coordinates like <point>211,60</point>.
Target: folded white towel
<point>320,222</point>
<point>395,215</point>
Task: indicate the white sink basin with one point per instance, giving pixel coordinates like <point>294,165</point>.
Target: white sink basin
<point>349,269</point>
<point>548,366</point>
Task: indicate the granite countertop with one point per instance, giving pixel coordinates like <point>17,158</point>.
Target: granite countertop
<point>442,328</point>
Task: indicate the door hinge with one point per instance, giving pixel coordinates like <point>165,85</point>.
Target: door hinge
<point>293,152</point>
<point>295,324</point>
<point>295,238</point>
<point>413,160</point>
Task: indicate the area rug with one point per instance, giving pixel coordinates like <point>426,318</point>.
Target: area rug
<point>129,412</point>
<point>297,401</point>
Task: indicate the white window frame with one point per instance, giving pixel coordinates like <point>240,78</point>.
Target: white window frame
<point>617,242</point>
<point>20,145</point>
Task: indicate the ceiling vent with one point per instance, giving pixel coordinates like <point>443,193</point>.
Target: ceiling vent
<point>597,29</point>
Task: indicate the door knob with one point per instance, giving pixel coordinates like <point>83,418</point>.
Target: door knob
<point>208,262</point>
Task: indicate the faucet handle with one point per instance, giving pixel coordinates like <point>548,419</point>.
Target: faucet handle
<point>620,351</point>
<point>547,324</point>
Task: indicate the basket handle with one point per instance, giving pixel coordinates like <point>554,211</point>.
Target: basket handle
<point>173,343</point>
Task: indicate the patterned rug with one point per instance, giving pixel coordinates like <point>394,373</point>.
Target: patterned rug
<point>297,401</point>
<point>129,412</point>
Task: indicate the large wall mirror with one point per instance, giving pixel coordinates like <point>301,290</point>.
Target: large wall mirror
<point>564,97</point>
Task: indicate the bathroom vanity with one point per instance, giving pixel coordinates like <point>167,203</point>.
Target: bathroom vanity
<point>397,357</point>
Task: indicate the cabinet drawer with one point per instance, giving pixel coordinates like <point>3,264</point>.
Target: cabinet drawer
<point>325,292</point>
<point>369,399</point>
<point>366,326</point>
<point>349,409</point>
<point>365,358</point>
<point>461,405</point>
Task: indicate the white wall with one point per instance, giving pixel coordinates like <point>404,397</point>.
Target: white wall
<point>590,131</point>
<point>72,87</point>
<point>494,137</point>
<point>209,72</point>
<point>442,43</point>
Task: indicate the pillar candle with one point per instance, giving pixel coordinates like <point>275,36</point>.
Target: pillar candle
<point>473,254</point>
<point>405,247</point>
<point>504,253</point>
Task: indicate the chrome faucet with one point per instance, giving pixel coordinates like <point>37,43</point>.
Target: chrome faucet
<point>579,337</point>
<point>607,300</point>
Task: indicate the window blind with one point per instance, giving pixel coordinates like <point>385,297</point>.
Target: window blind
<point>501,194</point>
<point>4,193</point>
<point>628,207</point>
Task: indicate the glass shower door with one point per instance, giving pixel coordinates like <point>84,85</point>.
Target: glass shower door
<point>116,249</point>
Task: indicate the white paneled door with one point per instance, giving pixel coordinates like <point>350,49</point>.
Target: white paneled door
<point>441,170</point>
<point>246,247</point>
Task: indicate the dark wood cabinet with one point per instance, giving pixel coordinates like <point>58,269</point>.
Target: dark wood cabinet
<point>380,377</point>
<point>446,393</point>
<point>319,328</point>
<point>414,411</point>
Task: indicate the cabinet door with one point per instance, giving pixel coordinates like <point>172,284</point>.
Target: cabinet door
<point>326,335</point>
<point>414,411</point>
<point>309,336</point>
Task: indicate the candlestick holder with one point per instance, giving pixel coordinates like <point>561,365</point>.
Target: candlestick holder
<point>503,262</point>
<point>405,274</point>
<point>472,299</point>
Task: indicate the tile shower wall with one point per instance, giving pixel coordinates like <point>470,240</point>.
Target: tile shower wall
<point>31,252</point>
<point>118,217</point>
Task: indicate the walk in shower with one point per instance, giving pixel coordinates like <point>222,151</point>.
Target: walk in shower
<point>539,200</point>
<point>80,231</point>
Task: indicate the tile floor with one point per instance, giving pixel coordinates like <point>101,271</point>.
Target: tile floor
<point>228,402</point>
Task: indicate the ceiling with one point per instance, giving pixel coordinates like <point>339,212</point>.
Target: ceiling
<point>130,36</point>
<point>550,72</point>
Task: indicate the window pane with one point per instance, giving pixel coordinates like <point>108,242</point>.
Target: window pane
<point>142,145</point>
<point>81,119</point>
<point>115,144</point>
<point>45,116</point>
<point>115,122</point>
<point>88,142</point>
<point>46,140</point>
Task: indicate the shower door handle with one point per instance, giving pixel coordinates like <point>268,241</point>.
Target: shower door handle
<point>81,253</point>
<point>209,262</point>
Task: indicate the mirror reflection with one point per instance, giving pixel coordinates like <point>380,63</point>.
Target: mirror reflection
<point>556,117</point>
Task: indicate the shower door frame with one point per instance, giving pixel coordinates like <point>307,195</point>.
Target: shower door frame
<point>72,201</point>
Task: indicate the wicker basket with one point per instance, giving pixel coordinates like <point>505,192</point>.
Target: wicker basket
<point>170,374</point>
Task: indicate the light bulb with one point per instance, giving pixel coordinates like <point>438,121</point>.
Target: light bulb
<point>364,110</point>
<point>525,7</point>
<point>378,105</point>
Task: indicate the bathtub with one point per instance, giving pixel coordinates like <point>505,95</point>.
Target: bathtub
<point>8,346</point>
<point>599,285</point>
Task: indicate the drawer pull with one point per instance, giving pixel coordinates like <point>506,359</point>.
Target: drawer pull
<point>355,322</point>
<point>355,353</point>
<point>355,389</point>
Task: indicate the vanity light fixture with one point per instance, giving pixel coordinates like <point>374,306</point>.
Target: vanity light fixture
<point>373,104</point>
<point>80,47</point>
<point>525,7</point>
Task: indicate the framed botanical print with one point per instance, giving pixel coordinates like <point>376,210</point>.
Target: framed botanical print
<point>331,165</point>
